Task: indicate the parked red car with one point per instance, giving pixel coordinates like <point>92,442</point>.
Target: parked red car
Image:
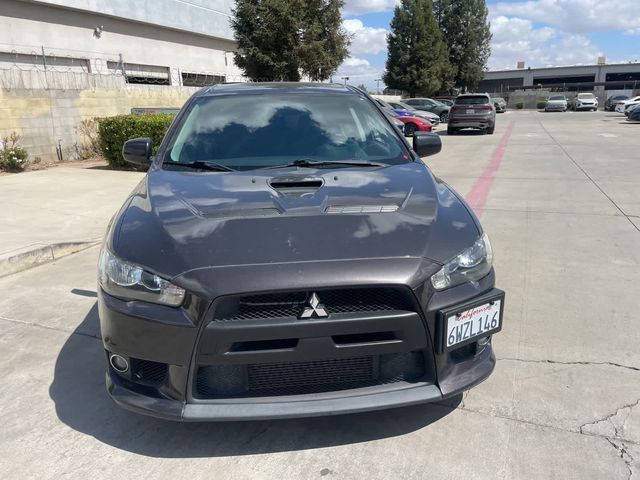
<point>414,124</point>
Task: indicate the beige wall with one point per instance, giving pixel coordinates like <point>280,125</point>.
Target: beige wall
<point>44,116</point>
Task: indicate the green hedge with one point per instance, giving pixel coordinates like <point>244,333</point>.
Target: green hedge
<point>520,105</point>
<point>114,131</point>
<point>542,104</point>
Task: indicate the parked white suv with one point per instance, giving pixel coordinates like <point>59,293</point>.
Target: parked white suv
<point>585,101</point>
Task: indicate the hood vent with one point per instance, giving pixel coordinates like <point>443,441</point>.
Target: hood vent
<point>295,183</point>
<point>362,209</point>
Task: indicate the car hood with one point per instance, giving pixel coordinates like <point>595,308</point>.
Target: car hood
<point>178,222</point>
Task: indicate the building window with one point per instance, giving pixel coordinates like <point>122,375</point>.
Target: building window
<point>136,73</point>
<point>26,61</point>
<point>201,79</point>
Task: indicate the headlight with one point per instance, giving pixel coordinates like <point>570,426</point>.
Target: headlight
<point>130,282</point>
<point>471,265</point>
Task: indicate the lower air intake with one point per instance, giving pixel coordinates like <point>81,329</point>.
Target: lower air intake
<point>299,378</point>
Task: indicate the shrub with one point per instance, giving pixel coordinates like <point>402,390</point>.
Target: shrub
<point>90,139</point>
<point>114,131</point>
<point>13,158</point>
<point>520,105</point>
<point>541,104</point>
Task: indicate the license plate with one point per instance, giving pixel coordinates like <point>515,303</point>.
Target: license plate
<point>479,321</point>
<point>470,110</point>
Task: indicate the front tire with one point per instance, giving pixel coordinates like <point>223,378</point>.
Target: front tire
<point>451,131</point>
<point>410,129</point>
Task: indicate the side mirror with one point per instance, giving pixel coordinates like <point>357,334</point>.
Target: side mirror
<point>137,151</point>
<point>426,143</point>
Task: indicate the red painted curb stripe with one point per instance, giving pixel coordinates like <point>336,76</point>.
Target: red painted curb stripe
<point>477,196</point>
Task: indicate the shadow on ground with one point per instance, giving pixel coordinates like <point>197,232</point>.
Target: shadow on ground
<point>469,132</point>
<point>82,403</point>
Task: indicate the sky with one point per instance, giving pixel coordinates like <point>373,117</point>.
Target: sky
<point>538,32</point>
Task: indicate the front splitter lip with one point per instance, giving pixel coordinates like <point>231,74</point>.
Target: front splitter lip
<point>421,393</point>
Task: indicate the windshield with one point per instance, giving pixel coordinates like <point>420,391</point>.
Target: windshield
<point>586,95</point>
<point>246,132</point>
<point>557,97</point>
<point>405,106</point>
<point>498,99</point>
<point>472,100</point>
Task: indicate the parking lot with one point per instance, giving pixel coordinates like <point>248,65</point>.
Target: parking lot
<point>558,195</point>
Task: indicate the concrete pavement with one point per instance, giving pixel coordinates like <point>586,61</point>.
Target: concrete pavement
<point>562,403</point>
<point>47,214</point>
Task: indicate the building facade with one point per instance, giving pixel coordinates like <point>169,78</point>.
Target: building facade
<point>165,42</point>
<point>615,77</point>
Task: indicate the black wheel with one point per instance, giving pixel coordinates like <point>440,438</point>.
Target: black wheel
<point>410,129</point>
<point>491,129</point>
<point>444,116</point>
<point>451,131</point>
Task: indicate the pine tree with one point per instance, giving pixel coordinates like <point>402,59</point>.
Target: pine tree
<point>285,39</point>
<point>467,33</point>
<point>417,59</point>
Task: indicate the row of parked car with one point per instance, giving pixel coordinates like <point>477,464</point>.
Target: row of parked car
<point>464,111</point>
<point>588,101</point>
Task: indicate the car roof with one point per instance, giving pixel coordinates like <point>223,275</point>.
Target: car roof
<point>265,88</point>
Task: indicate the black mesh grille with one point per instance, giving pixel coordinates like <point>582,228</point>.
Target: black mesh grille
<point>297,378</point>
<point>291,304</point>
<point>148,372</point>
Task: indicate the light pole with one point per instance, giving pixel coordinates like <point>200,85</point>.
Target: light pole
<point>378,80</point>
<point>345,79</point>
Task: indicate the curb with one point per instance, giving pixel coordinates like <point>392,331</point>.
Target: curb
<point>17,262</point>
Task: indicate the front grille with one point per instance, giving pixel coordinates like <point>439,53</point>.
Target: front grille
<point>298,378</point>
<point>291,304</point>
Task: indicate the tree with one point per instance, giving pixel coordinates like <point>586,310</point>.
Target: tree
<point>418,60</point>
<point>285,39</point>
<point>467,33</point>
<point>363,87</point>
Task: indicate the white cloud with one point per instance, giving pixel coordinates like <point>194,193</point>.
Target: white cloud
<point>359,70</point>
<point>366,40</point>
<point>576,16</point>
<point>516,39</point>
<point>358,7</point>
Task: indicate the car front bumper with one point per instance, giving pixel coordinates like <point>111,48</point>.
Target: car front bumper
<point>182,345</point>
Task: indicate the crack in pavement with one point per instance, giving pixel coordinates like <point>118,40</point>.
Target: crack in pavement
<point>624,454</point>
<point>607,418</point>
<point>559,362</point>
<point>47,327</point>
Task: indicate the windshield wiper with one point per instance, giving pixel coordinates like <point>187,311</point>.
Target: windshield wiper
<point>201,165</point>
<point>306,163</point>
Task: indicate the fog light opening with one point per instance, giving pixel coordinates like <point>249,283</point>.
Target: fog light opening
<point>118,363</point>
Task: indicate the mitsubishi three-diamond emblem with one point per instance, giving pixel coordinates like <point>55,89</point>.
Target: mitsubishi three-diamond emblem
<point>314,307</point>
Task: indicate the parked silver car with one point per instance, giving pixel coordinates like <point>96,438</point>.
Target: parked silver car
<point>556,103</point>
<point>585,101</point>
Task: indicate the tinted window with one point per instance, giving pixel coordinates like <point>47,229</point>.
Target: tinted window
<point>472,100</point>
<point>253,131</point>
<point>557,97</point>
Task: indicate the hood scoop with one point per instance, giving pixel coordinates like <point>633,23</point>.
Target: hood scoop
<point>295,186</point>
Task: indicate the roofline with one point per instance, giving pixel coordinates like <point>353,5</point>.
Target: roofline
<point>590,65</point>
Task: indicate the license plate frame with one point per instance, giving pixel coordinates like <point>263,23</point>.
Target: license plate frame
<point>443,315</point>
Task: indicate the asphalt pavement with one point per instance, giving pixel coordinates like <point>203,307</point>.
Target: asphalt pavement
<point>556,192</point>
